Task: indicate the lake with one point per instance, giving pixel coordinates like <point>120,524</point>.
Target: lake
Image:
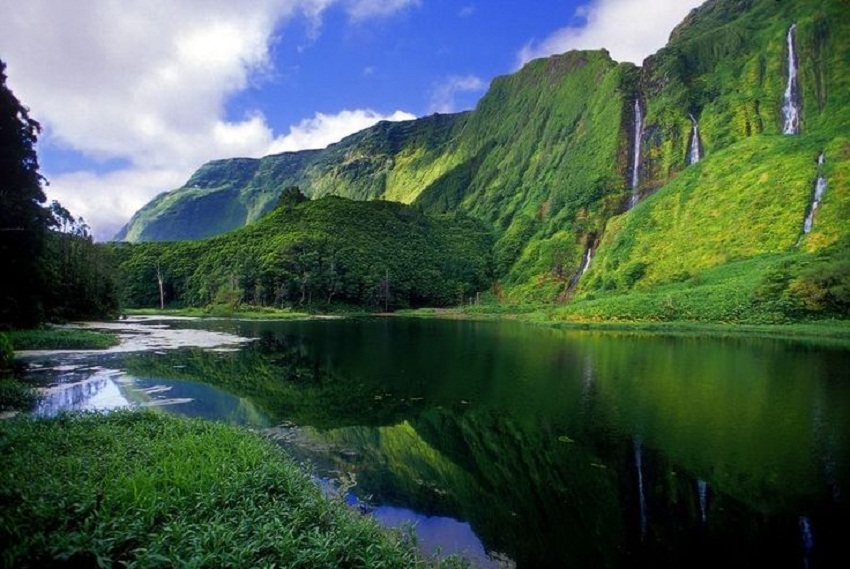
<point>522,446</point>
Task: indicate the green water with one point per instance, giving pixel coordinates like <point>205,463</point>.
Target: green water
<point>559,448</point>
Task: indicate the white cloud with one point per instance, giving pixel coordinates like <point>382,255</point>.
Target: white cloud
<point>443,95</point>
<point>107,201</point>
<point>147,83</point>
<point>322,129</point>
<point>466,11</point>
<point>629,29</point>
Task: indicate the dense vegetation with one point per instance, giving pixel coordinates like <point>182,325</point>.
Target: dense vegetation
<point>148,490</point>
<point>317,254</point>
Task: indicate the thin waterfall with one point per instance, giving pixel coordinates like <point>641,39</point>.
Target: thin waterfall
<point>636,158</point>
<point>791,102</point>
<point>820,189</point>
<point>583,267</point>
<point>702,489</point>
<point>808,539</point>
<point>641,493</point>
<point>588,257</point>
<point>694,155</point>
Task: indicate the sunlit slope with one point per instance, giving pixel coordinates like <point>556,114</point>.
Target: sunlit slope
<point>725,240</point>
<point>726,67</point>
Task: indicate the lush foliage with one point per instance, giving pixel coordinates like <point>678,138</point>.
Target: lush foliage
<point>61,339</point>
<point>315,254</point>
<point>146,490</point>
<point>23,220</point>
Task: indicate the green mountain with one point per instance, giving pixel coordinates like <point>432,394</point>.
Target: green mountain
<point>549,161</point>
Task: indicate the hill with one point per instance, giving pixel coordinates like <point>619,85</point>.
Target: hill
<point>315,253</point>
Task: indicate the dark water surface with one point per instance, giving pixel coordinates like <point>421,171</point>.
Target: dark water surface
<point>537,447</point>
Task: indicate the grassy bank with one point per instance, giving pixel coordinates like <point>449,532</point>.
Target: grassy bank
<point>61,339</point>
<point>151,490</point>
<point>834,332</point>
<point>223,311</point>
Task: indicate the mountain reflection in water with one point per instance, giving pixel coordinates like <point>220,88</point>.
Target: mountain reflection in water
<point>553,448</point>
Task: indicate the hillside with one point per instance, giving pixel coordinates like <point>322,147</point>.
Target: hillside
<point>317,253</point>
<point>704,202</point>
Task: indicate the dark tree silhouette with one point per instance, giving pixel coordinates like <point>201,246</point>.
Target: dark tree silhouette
<point>23,220</point>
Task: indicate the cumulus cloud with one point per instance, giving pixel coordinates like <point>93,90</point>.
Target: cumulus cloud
<point>147,83</point>
<point>322,129</point>
<point>629,29</point>
<point>444,94</point>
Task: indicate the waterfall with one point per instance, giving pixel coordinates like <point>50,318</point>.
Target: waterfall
<point>790,102</point>
<point>694,155</point>
<point>636,163</point>
<point>641,494</point>
<point>820,189</point>
<point>588,257</point>
<point>807,538</point>
<point>702,489</point>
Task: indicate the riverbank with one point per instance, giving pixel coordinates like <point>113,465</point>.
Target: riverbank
<point>242,313</point>
<point>153,490</point>
<point>831,332</point>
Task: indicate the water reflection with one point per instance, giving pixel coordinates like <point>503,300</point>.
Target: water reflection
<point>556,448</point>
<point>97,393</point>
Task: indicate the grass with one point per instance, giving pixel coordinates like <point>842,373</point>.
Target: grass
<point>16,396</point>
<point>247,312</point>
<point>61,339</point>
<point>140,489</point>
<point>828,331</point>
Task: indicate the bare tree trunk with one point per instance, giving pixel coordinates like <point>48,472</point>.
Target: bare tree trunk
<point>161,291</point>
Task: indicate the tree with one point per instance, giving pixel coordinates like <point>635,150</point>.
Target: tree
<point>23,221</point>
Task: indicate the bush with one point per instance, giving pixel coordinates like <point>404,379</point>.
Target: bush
<point>7,354</point>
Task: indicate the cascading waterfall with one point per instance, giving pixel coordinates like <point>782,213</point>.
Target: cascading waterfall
<point>808,539</point>
<point>694,155</point>
<point>820,189</point>
<point>636,158</point>
<point>790,102</point>
<point>702,489</point>
<point>641,494</point>
<point>588,257</point>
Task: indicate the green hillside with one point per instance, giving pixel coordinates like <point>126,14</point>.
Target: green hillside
<point>545,162</point>
<point>317,253</point>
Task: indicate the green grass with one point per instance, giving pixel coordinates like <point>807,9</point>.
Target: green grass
<point>150,490</point>
<point>245,312</point>
<point>61,339</point>
<point>16,396</point>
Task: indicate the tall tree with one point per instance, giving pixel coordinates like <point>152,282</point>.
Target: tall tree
<point>23,220</point>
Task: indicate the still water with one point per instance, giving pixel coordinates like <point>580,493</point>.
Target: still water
<point>530,447</point>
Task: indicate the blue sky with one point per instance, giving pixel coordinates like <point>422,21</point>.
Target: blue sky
<point>135,96</point>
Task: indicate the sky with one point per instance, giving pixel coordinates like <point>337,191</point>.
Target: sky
<point>134,96</point>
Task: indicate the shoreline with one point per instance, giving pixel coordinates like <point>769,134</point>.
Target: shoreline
<point>824,332</point>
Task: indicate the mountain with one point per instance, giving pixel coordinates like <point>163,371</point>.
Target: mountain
<point>708,191</point>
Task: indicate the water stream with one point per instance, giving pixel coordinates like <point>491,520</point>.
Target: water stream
<point>635,197</point>
<point>694,154</point>
<point>791,99</point>
<point>817,196</point>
